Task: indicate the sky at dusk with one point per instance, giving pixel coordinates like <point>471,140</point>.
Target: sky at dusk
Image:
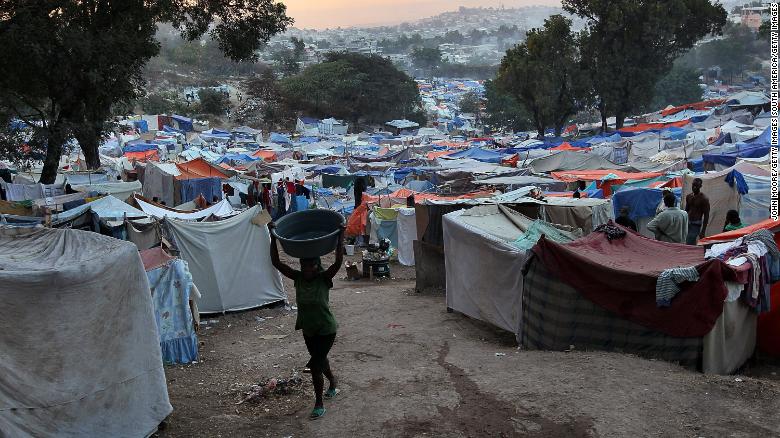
<point>321,14</point>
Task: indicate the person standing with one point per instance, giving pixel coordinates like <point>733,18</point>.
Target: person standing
<point>661,206</point>
<point>624,220</point>
<point>315,320</point>
<point>697,205</point>
<point>266,197</point>
<point>281,200</point>
<point>671,225</point>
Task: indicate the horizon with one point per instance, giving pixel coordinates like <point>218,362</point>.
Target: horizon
<point>331,14</point>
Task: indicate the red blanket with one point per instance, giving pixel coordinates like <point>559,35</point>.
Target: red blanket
<point>621,276</point>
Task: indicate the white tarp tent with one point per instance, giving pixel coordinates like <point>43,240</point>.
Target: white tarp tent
<point>80,350</point>
<point>221,209</point>
<point>407,234</point>
<point>230,262</point>
<point>484,272</point>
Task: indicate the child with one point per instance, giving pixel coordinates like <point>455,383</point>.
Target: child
<point>733,222</point>
<point>312,286</point>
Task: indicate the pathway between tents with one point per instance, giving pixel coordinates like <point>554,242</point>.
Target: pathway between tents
<point>408,368</point>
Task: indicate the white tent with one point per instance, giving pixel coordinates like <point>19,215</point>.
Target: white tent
<point>484,267</point>
<point>230,262</point>
<point>80,350</point>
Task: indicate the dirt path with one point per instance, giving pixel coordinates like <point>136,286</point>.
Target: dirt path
<point>408,368</point>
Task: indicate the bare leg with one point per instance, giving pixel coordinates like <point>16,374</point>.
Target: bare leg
<point>319,383</point>
<point>329,375</point>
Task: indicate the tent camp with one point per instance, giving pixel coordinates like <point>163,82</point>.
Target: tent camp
<point>230,262</point>
<point>81,358</point>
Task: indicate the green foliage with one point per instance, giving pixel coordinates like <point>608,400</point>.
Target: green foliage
<point>631,44</point>
<point>68,63</point>
<point>502,111</point>
<point>734,53</point>
<point>544,75</point>
<point>470,103</point>
<point>352,86</point>
<point>678,87</point>
<point>426,58</point>
<point>212,101</point>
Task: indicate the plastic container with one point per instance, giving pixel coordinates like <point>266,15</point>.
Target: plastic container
<point>309,233</point>
<point>350,249</point>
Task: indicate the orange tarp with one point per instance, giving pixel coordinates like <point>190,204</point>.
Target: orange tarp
<point>648,126</point>
<point>511,161</point>
<point>199,168</point>
<point>143,156</point>
<point>436,154</point>
<point>265,155</point>
<point>694,106</point>
<point>566,146</point>
<point>598,175</point>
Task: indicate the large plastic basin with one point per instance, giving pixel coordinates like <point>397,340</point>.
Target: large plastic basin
<point>309,233</point>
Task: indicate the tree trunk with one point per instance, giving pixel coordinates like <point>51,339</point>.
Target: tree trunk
<point>619,119</point>
<point>558,130</point>
<point>89,140</point>
<point>55,140</point>
<point>603,113</point>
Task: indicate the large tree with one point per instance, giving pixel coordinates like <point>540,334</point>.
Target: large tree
<point>66,63</point>
<point>544,75</point>
<point>631,44</point>
<point>355,87</point>
<point>679,86</point>
<point>502,111</point>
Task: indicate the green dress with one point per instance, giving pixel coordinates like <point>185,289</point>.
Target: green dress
<point>314,315</point>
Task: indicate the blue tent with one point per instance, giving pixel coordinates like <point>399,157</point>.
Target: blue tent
<point>641,202</point>
<point>140,147</point>
<point>279,138</point>
<point>183,123</point>
<point>141,125</point>
<point>484,155</point>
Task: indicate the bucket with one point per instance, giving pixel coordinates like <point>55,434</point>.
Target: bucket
<point>309,233</point>
<point>350,249</point>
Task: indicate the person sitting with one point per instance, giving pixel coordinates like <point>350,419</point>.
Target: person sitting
<point>671,225</point>
<point>733,222</point>
<point>624,220</point>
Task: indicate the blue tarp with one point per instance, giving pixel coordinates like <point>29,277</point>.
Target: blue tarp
<point>309,140</point>
<point>641,202</point>
<point>172,284</point>
<point>167,128</point>
<point>736,177</point>
<point>141,125</point>
<point>140,147</point>
<point>279,138</point>
<point>484,155</point>
<point>183,123</point>
<point>744,150</point>
<point>189,189</point>
<point>236,158</point>
<point>420,186</point>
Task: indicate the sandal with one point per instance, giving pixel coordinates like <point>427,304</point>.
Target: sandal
<point>317,413</point>
<point>332,393</point>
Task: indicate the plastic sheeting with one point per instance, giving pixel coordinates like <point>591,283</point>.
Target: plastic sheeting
<point>230,262</point>
<point>190,189</point>
<point>407,234</point>
<point>722,196</point>
<point>119,190</point>
<point>81,355</point>
<point>754,206</point>
<point>221,209</point>
<point>484,272</point>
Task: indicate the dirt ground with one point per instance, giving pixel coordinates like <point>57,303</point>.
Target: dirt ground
<point>407,368</point>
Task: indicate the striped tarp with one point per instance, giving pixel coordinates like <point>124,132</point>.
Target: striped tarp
<point>556,316</point>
